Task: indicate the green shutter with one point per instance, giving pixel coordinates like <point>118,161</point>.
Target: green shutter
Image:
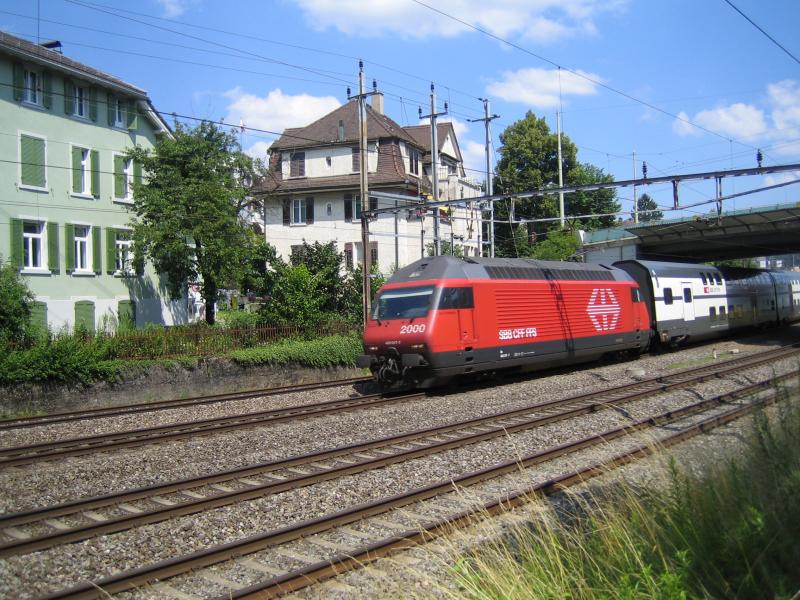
<point>17,244</point>
<point>111,250</point>
<point>69,247</point>
<point>77,169</point>
<point>111,109</point>
<point>133,120</point>
<point>94,158</point>
<point>69,97</point>
<point>97,251</point>
<point>52,248</point>
<point>119,177</point>
<point>47,89</point>
<point>126,313</point>
<point>84,315</point>
<point>32,158</point>
<point>137,172</point>
<point>19,81</point>
<point>93,103</point>
<point>39,315</point>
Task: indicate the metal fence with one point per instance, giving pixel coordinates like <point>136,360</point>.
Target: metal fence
<point>206,341</point>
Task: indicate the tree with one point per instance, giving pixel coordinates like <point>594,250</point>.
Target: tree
<point>646,203</point>
<point>324,262</point>
<point>528,161</point>
<point>295,297</point>
<point>188,211</point>
<point>16,301</point>
<point>558,245</point>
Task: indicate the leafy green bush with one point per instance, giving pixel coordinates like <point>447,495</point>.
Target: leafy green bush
<point>237,319</point>
<point>336,350</point>
<point>15,306</point>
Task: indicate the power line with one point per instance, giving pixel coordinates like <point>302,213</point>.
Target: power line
<point>576,73</point>
<point>754,24</point>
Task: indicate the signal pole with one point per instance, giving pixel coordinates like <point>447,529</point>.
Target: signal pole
<point>635,200</point>
<point>489,191</point>
<point>437,242</point>
<point>560,172</point>
<point>364,184</point>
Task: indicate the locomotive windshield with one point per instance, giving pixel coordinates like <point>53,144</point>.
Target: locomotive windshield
<point>403,303</point>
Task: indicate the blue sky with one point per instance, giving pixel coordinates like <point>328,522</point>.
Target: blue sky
<point>285,63</point>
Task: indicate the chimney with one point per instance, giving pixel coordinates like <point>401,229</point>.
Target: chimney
<point>377,103</point>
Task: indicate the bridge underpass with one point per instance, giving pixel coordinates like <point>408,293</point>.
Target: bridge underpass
<point>764,231</point>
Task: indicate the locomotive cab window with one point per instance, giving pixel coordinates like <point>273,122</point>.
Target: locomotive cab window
<point>402,303</point>
<point>667,295</point>
<point>459,297</point>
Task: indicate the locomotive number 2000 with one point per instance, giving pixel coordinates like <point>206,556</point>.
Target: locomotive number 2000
<point>412,328</point>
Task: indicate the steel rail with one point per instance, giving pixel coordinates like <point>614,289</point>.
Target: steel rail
<point>176,566</point>
<point>124,409</point>
<point>22,455</point>
<point>315,573</point>
<point>532,416</point>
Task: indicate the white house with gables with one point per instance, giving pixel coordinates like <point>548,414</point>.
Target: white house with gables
<point>312,191</point>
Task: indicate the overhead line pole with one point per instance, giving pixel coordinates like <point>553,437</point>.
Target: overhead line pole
<point>437,242</point>
<point>364,185</point>
<point>489,184</point>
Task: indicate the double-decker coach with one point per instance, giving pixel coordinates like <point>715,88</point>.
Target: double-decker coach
<point>443,317</point>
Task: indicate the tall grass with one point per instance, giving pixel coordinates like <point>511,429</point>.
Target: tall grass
<point>733,532</point>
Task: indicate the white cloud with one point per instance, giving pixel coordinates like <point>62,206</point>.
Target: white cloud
<point>538,20</point>
<point>258,150</point>
<point>541,87</point>
<point>779,178</point>
<point>277,110</point>
<point>739,121</point>
<point>474,155</point>
<point>173,8</point>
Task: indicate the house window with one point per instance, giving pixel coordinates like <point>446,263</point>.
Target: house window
<point>373,253</point>
<point>123,255</point>
<point>298,211</point>
<point>32,158</point>
<point>32,90</point>
<point>329,209</point>
<point>328,161</point>
<point>356,157</point>
<point>348,255</point>
<point>297,166</point>
<point>81,106</point>
<point>32,236</point>
<point>413,161</point>
<point>81,171</point>
<point>83,253</point>
<point>119,113</point>
<point>298,254</point>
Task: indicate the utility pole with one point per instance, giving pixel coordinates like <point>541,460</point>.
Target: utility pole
<point>635,201</point>
<point>437,242</point>
<point>489,191</point>
<point>560,173</point>
<point>364,166</point>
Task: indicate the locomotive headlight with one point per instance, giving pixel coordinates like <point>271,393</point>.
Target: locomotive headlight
<point>418,346</point>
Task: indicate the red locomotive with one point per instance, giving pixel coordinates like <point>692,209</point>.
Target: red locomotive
<point>444,317</point>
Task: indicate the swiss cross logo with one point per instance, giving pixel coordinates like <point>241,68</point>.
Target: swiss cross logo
<point>603,309</point>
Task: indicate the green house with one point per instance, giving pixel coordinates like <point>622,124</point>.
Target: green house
<point>66,189</point>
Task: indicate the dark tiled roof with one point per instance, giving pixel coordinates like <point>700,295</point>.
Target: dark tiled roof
<point>325,130</point>
<point>39,54</point>
<point>390,172</point>
<point>422,134</point>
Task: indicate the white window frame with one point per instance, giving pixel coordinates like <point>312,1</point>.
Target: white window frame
<point>28,241</point>
<point>32,94</point>
<point>123,257</point>
<point>120,113</point>
<point>298,204</point>
<point>85,265</point>
<point>81,106</point>
<point>411,153</point>
<point>25,186</point>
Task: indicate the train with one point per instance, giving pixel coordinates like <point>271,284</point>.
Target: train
<point>442,318</point>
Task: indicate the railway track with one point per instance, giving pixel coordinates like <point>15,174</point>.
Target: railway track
<point>45,451</point>
<point>22,532</point>
<point>368,523</point>
<point>126,409</point>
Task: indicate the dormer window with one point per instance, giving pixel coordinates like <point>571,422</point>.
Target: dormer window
<point>297,164</point>
<point>413,161</point>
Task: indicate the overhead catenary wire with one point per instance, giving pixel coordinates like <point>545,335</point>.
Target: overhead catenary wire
<point>761,29</point>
